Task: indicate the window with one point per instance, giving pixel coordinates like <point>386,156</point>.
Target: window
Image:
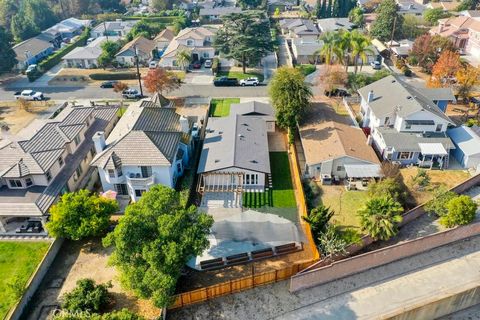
<point>48,174</point>
<point>93,152</point>
<point>405,155</point>
<point>60,161</point>
<point>439,127</point>
<point>339,168</point>
<point>28,182</point>
<point>387,121</point>
<point>247,179</point>
<point>139,192</point>
<point>121,189</point>
<point>111,173</point>
<point>146,171</point>
<point>119,172</point>
<point>79,171</point>
<point>15,183</point>
<point>408,126</point>
<point>77,140</point>
<point>179,167</point>
<point>206,55</point>
<point>190,43</point>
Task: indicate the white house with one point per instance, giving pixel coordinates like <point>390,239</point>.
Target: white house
<point>235,155</point>
<point>407,123</point>
<point>139,46</point>
<point>256,109</point>
<point>150,145</point>
<point>86,57</point>
<point>198,41</point>
<point>164,38</point>
<point>45,160</point>
<point>216,13</point>
<point>117,28</point>
<point>306,51</point>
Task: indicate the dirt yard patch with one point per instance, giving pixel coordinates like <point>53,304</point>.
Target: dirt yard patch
<point>78,260</point>
<point>17,118</point>
<point>448,178</point>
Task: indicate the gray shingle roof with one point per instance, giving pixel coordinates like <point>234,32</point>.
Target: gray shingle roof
<point>33,45</point>
<point>406,141</point>
<point>235,141</point>
<point>253,108</point>
<point>393,95</point>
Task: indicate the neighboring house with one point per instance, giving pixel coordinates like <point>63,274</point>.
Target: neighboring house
<point>282,5</point>
<point>256,109</point>
<point>150,145</point>
<point>464,32</point>
<point>467,145</point>
<point>299,28</point>
<point>235,155</point>
<point>215,14</point>
<point>334,148</point>
<point>448,5</point>
<point>164,38</point>
<point>117,28</point>
<point>401,48</point>
<point>46,159</point>
<point>470,13</point>
<point>334,24</point>
<point>406,123</point>
<point>410,7</point>
<point>32,51</point>
<point>86,57</point>
<point>141,46</point>
<point>306,51</point>
<point>68,28</point>
<point>197,40</point>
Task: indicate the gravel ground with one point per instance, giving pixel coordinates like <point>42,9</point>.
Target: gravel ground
<point>272,301</point>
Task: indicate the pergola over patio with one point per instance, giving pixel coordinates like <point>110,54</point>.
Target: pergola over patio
<point>358,171</point>
<point>220,182</point>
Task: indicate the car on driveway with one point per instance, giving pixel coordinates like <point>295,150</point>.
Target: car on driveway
<point>252,81</point>
<point>195,130</point>
<point>376,65</point>
<point>196,64</point>
<point>108,84</point>
<point>207,63</point>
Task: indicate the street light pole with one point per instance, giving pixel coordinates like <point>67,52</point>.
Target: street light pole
<point>138,70</point>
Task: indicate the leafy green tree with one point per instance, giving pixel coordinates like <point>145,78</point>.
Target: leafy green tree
<point>438,204</point>
<point>468,5</point>
<point>318,219</point>
<point>80,214</point>
<point>421,179</point>
<point>8,8</point>
<point>7,55</point>
<point>146,29</point>
<point>290,97</point>
<point>433,15</point>
<point>22,28</point>
<point>154,240</point>
<point>360,49</point>
<point>183,57</point>
<point>109,50</point>
<point>413,26</point>
<point>244,37</point>
<point>331,242</point>
<point>390,187</point>
<point>427,49</point>
<point>356,17</point>
<point>123,314</point>
<point>332,49</point>
<point>461,210</point>
<point>249,4</point>
<point>380,217</point>
<point>382,28</point>
<point>87,296</point>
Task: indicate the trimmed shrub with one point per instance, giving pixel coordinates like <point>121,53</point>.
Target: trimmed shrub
<point>56,58</point>
<point>114,76</point>
<point>215,66</point>
<point>306,69</point>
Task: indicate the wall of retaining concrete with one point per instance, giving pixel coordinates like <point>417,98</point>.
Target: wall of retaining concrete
<point>346,267</point>
<point>34,282</point>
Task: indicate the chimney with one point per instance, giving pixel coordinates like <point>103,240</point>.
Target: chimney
<point>184,124</point>
<point>369,140</point>
<point>99,141</point>
<point>370,96</point>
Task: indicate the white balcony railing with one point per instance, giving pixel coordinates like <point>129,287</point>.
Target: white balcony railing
<point>135,181</point>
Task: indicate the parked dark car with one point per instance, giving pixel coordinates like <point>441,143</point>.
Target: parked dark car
<point>196,64</point>
<point>474,100</point>
<point>108,84</point>
<point>225,82</point>
<point>337,92</point>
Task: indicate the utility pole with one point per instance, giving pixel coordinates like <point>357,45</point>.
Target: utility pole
<point>138,70</point>
<point>391,38</point>
<point>105,30</point>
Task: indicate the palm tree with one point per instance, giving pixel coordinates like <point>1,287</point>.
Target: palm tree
<point>344,48</point>
<point>380,216</point>
<point>330,46</point>
<point>183,57</point>
<point>360,48</point>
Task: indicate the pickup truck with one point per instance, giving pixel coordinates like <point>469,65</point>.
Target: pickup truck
<point>29,95</point>
<point>225,82</point>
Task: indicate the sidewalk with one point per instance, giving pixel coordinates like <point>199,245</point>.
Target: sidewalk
<point>23,83</point>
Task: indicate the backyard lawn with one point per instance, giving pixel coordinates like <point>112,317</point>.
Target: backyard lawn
<point>282,194</point>
<point>221,107</point>
<point>240,75</point>
<point>344,203</point>
<point>18,261</point>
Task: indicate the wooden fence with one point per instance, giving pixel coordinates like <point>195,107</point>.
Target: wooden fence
<point>237,285</point>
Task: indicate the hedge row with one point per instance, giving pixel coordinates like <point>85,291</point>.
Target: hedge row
<point>114,76</point>
<point>168,20</point>
<point>56,58</point>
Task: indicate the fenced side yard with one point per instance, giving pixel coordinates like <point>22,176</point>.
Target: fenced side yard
<point>221,107</point>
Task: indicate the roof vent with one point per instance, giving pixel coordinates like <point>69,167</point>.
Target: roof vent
<point>409,97</point>
<point>253,161</point>
<point>245,124</point>
<point>217,160</point>
<point>393,81</point>
<point>241,135</point>
<point>220,132</point>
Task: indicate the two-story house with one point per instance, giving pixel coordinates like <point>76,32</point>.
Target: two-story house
<point>46,159</point>
<point>405,123</point>
<point>117,28</point>
<point>140,47</point>
<point>150,145</point>
<point>299,28</point>
<point>198,41</point>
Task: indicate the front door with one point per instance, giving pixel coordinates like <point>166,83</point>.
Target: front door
<point>194,56</point>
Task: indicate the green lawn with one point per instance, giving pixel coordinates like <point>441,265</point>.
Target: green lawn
<point>306,69</point>
<point>221,107</point>
<point>240,75</point>
<point>282,194</point>
<point>18,261</point>
<point>344,203</point>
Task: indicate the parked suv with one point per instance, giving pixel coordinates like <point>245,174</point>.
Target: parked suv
<point>253,81</point>
<point>131,94</point>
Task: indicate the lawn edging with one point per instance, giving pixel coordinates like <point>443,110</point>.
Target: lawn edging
<point>33,283</point>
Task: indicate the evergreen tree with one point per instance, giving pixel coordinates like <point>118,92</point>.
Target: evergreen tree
<point>382,28</point>
<point>7,55</point>
<point>328,11</point>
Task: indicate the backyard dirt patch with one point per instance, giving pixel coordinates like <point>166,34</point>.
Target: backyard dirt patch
<point>17,118</point>
<point>460,113</point>
<point>78,260</point>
